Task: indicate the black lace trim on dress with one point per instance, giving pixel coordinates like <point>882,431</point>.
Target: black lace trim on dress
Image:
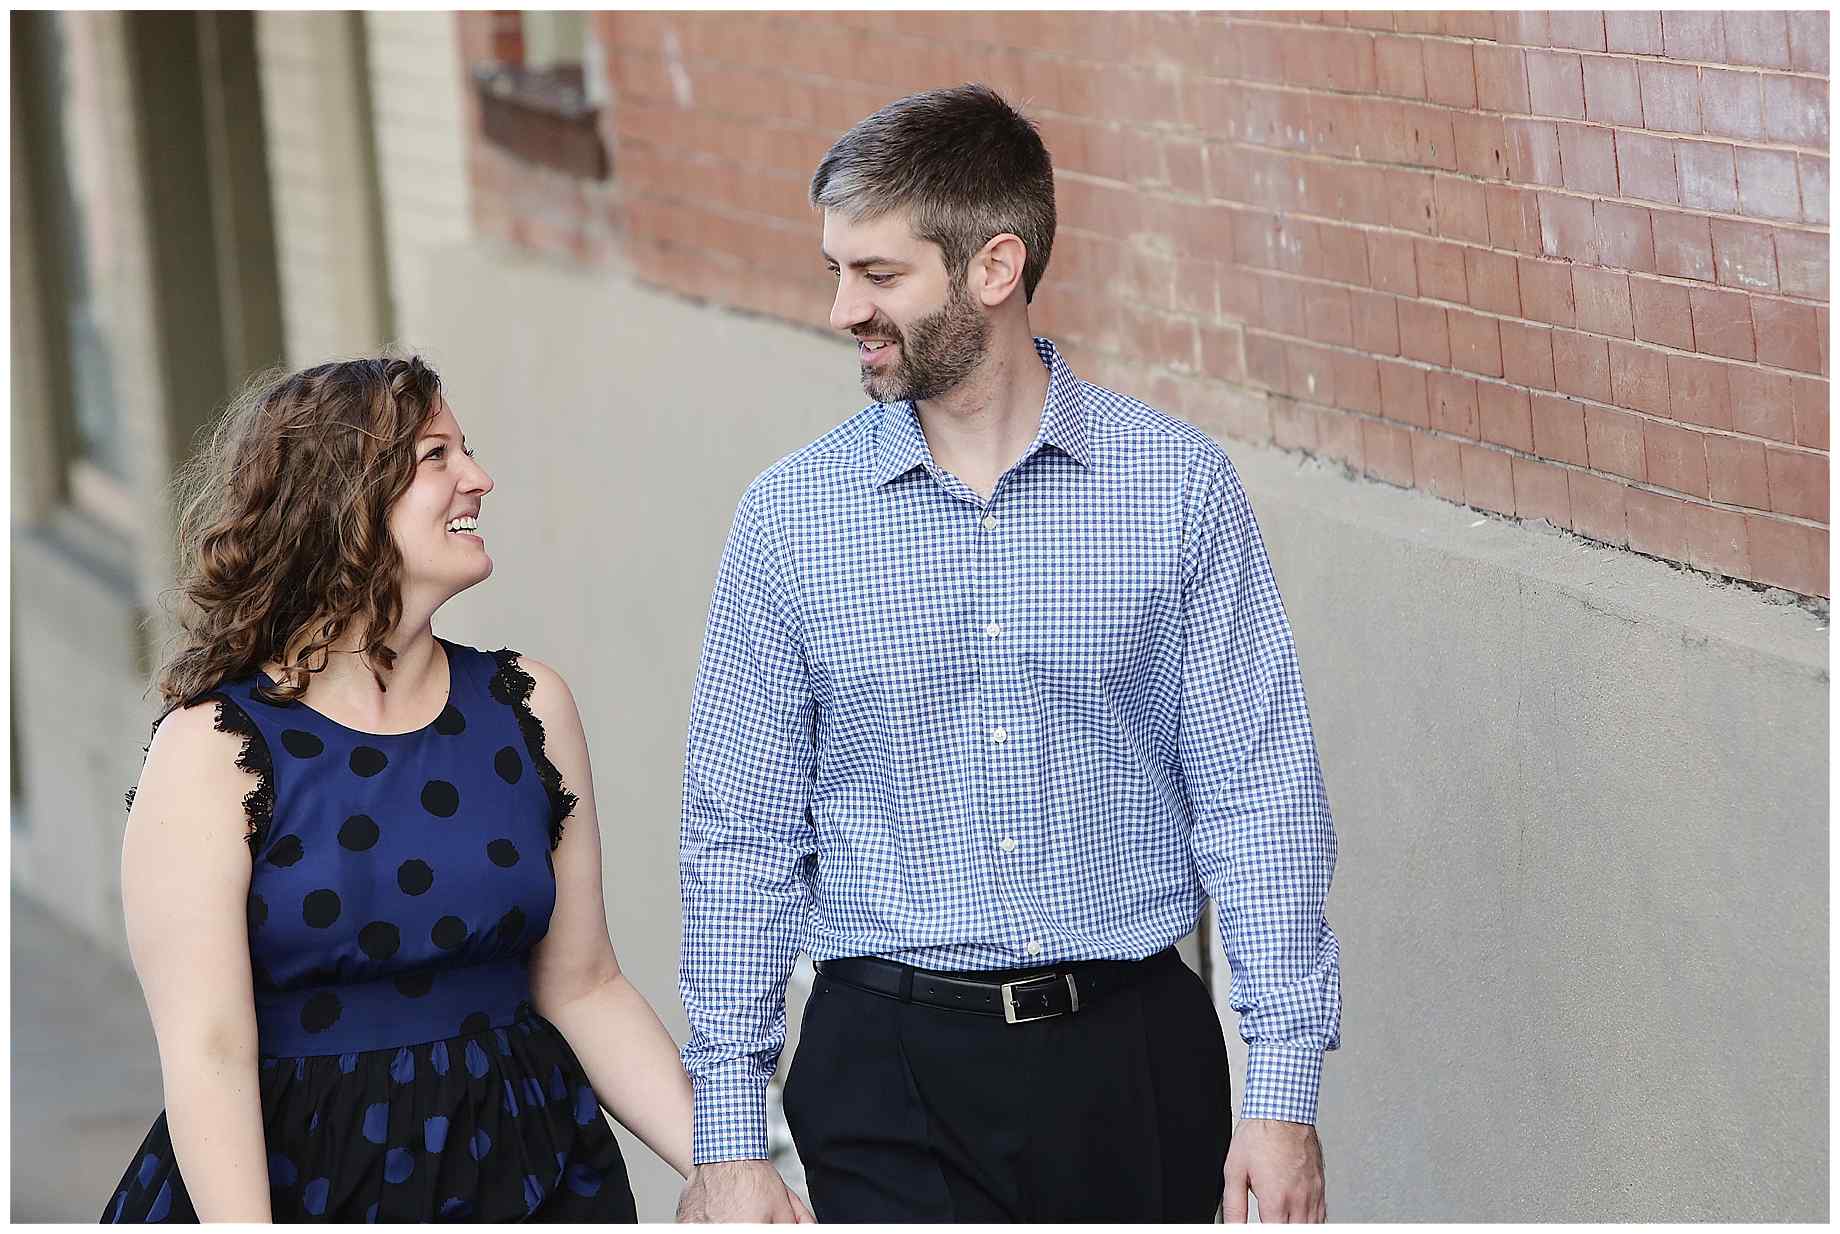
<point>512,686</point>
<point>259,802</point>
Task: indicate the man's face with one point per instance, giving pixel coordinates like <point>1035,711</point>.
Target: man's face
<point>919,332</point>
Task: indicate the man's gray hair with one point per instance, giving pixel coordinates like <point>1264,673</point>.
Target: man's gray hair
<point>964,165</point>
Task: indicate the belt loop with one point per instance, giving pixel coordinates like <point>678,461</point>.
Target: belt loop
<point>907,984</point>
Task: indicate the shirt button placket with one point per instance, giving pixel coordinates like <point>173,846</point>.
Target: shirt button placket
<point>996,734</point>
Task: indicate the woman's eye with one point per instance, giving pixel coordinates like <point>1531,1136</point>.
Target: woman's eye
<point>437,452</point>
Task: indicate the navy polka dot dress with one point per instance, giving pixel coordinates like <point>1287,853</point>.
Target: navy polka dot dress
<point>399,883</point>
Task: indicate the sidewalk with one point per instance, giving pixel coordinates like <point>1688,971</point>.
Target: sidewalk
<point>86,1075</point>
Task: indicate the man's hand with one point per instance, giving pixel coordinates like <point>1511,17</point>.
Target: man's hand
<point>746,1191</point>
<point>1282,1165</point>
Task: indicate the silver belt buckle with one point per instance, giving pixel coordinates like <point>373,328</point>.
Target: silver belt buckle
<point>1013,1015</point>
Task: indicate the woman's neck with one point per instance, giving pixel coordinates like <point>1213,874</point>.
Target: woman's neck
<point>348,691</point>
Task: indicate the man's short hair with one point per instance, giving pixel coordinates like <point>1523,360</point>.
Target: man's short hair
<point>963,163</point>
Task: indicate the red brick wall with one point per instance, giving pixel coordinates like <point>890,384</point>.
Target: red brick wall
<point>1566,265</point>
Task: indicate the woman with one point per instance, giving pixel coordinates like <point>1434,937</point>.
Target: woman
<point>399,1002</point>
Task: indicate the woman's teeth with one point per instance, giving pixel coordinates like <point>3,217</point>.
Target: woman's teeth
<point>464,523</point>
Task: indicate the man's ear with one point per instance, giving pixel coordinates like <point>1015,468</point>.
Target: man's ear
<point>997,269</point>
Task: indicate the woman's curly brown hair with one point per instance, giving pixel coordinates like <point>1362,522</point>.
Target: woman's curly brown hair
<point>284,547</point>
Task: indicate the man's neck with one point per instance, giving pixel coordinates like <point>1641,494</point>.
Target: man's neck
<point>978,430</point>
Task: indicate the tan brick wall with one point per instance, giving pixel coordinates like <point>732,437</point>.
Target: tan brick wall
<point>415,76</point>
<point>327,249</point>
<point>1566,265</point>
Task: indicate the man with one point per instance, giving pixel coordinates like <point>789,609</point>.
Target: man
<point>996,687</point>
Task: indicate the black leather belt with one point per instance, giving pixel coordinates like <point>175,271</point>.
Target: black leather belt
<point>1028,994</point>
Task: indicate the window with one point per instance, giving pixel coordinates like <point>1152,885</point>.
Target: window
<point>72,205</point>
<point>540,93</point>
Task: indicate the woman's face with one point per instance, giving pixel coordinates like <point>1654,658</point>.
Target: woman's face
<point>436,521</point>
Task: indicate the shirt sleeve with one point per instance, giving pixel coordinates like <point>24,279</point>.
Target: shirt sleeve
<point>1263,839</point>
<point>746,839</point>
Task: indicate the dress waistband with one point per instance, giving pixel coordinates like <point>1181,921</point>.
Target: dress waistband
<point>407,1009</point>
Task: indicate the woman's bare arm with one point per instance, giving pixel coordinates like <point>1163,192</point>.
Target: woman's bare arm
<point>184,888</point>
<point>575,977</point>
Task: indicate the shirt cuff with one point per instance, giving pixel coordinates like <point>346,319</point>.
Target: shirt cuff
<point>1281,1082</point>
<point>731,1113</point>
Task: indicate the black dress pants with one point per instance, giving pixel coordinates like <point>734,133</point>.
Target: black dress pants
<point>1118,1112</point>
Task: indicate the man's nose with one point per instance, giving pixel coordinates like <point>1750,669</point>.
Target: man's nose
<point>849,309</point>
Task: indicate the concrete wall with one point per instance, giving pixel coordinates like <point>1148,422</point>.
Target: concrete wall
<point>1581,796</point>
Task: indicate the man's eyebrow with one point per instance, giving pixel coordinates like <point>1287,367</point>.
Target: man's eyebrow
<point>863,263</point>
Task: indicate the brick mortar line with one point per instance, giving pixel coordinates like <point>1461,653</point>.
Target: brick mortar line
<point>933,41</point>
<point>1512,452</point>
<point>1428,367</point>
<point>706,158</point>
<point>1534,323</point>
<point>1366,228</point>
<point>1526,186</point>
<point>1476,39</point>
<point>1673,280</point>
<point>1499,447</point>
<point>1748,143</point>
<point>1211,137</point>
<point>1280,87</point>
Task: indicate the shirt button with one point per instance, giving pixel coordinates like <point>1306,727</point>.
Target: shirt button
<point>1034,947</point>
<point>990,522</point>
<point>993,629</point>
<point>999,735</point>
<point>1008,845</point>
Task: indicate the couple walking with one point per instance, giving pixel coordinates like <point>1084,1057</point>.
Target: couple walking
<point>996,687</point>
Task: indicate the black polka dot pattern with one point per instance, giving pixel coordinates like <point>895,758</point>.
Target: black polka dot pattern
<point>448,933</point>
<point>367,761</point>
<point>511,926</point>
<point>503,853</point>
<point>301,744</point>
<point>440,798</point>
<point>321,908</point>
<point>286,851</point>
<point>450,723</point>
<point>414,985</point>
<point>258,911</point>
<point>358,833</point>
<point>414,877</point>
<point>321,1012</point>
<point>509,766</point>
<point>478,1022</point>
<point>379,940</point>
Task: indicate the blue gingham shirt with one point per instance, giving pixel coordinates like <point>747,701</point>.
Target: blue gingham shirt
<point>969,734</point>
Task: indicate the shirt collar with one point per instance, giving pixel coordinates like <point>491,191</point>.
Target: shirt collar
<point>901,445</point>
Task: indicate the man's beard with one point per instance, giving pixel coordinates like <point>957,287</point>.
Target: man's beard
<point>937,353</point>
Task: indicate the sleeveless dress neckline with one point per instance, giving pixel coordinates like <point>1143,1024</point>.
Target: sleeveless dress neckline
<point>447,650</point>
<point>398,885</point>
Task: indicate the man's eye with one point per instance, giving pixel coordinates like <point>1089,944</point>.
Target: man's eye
<point>879,280</point>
